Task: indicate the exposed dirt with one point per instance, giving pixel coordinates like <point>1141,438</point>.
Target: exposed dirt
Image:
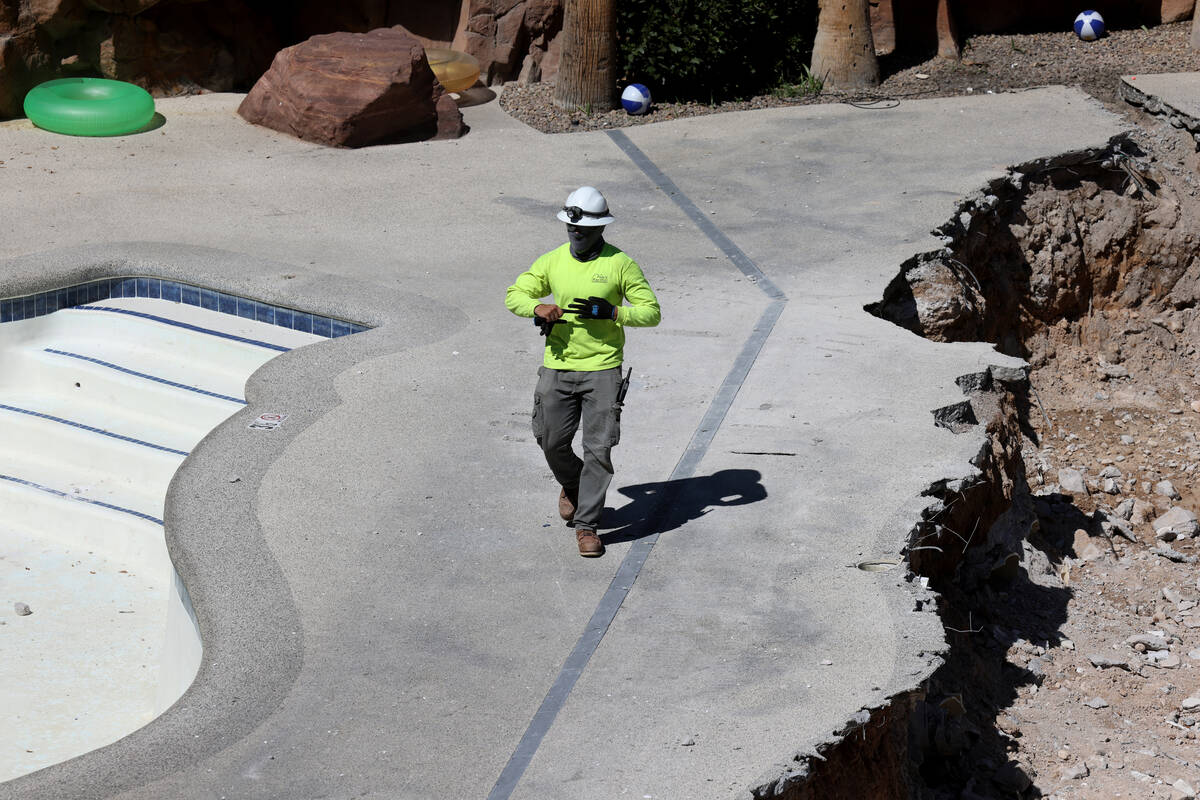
<point>1119,393</point>
<point>988,64</point>
<point>1087,267</point>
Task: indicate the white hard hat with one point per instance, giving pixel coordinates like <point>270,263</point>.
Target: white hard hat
<point>587,207</point>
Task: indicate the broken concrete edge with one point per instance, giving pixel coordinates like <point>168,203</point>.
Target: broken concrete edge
<point>870,755</point>
<point>1153,104</point>
<point>868,758</point>
<point>993,488</point>
<point>1118,155</point>
<point>249,625</point>
<point>1003,189</point>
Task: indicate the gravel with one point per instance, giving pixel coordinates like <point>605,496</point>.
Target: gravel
<point>989,64</point>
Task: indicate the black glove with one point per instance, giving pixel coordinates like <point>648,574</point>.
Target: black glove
<point>543,325</point>
<point>592,308</point>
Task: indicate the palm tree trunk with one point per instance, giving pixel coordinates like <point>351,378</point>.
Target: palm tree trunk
<point>843,53</point>
<point>587,71</point>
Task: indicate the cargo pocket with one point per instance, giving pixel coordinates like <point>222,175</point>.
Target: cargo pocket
<point>614,426</point>
<point>538,421</point>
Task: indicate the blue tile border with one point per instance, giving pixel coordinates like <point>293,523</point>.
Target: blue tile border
<point>14,309</point>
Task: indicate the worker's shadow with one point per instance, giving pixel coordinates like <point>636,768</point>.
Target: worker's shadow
<point>667,505</point>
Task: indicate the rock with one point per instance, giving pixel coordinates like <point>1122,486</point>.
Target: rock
<point>1110,472</point>
<point>1084,548</point>
<point>1194,655</point>
<point>953,706</point>
<point>23,65</point>
<point>1012,776</point>
<point>1170,595</point>
<point>1142,512</point>
<point>1176,10</point>
<point>1096,703</point>
<point>1071,481</point>
<point>1118,526</point>
<point>1126,439</point>
<point>1110,486</point>
<point>1163,659</point>
<point>1148,640</point>
<point>22,609</point>
<point>1076,772</point>
<point>1104,662</point>
<point>1168,552</point>
<point>1190,703</point>
<point>1108,371</point>
<point>932,297</point>
<point>883,27</point>
<point>1166,489</point>
<point>1124,509</point>
<point>1177,523</point>
<point>1182,790</point>
<point>353,90</point>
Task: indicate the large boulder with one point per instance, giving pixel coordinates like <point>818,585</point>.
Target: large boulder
<point>352,90</point>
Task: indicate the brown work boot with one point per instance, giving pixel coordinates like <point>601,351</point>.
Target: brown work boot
<point>590,545</point>
<point>566,506</point>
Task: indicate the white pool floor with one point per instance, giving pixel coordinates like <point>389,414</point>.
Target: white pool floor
<point>98,408</point>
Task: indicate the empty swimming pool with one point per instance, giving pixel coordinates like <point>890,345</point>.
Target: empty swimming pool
<point>104,390</point>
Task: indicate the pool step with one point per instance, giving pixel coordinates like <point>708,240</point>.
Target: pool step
<point>177,354</point>
<point>111,396</point>
<point>51,453</point>
<point>132,540</point>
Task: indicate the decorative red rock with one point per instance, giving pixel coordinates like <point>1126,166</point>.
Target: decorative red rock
<point>352,90</point>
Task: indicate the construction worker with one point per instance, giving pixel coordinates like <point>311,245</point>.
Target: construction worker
<point>580,382</point>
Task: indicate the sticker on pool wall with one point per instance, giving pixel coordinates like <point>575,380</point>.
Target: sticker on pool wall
<point>267,422</point>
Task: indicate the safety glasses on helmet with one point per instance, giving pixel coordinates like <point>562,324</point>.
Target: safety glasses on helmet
<point>575,213</point>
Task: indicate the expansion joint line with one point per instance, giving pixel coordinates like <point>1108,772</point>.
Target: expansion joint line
<point>689,462</point>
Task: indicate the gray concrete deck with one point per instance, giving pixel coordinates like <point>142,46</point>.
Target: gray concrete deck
<point>1175,95</point>
<point>387,595</point>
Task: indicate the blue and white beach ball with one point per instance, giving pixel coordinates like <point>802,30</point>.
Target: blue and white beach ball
<point>635,99</point>
<point>1089,26</point>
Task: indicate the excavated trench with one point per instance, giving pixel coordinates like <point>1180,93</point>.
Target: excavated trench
<point>1086,266</point>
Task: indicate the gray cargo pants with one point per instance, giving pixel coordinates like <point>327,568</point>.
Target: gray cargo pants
<point>562,401</point>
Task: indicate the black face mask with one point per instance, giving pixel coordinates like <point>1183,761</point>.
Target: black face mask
<point>586,241</point>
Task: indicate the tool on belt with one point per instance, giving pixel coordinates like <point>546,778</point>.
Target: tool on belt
<point>624,387</point>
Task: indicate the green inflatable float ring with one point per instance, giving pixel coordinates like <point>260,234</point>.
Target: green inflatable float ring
<point>89,106</point>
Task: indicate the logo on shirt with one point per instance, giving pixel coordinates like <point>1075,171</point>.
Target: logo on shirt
<point>599,278</point>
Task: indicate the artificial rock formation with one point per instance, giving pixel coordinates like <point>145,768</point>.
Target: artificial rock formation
<point>352,90</point>
<point>183,46</point>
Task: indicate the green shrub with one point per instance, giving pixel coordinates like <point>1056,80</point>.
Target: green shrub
<point>714,49</point>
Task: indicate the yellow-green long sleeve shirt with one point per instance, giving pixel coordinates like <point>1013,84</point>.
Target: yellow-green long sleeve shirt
<point>586,345</point>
